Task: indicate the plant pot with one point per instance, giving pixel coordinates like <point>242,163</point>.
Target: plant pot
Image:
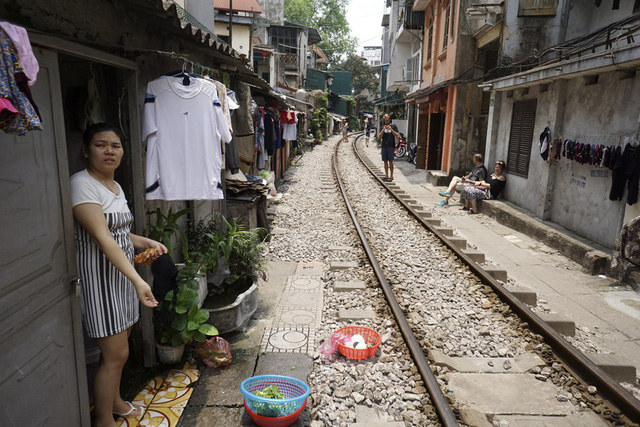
<point>202,286</point>
<point>233,316</point>
<point>169,355</point>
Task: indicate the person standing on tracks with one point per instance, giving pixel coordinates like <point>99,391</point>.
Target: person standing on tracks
<point>367,132</point>
<point>388,135</point>
<point>345,131</point>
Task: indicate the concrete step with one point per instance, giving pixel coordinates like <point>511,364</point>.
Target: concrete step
<point>432,221</point>
<point>353,315</point>
<point>445,230</point>
<point>525,295</point>
<point>349,286</point>
<point>339,248</point>
<point>424,214</point>
<point>342,265</point>
<point>497,273</point>
<point>616,367</point>
<point>475,255</point>
<point>559,323</point>
<point>459,242</point>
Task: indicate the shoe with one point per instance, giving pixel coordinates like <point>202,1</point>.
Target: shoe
<point>444,194</point>
<point>472,212</point>
<point>442,203</point>
<point>464,208</point>
<point>133,412</point>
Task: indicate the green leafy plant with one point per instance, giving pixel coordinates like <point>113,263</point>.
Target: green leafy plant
<point>164,227</point>
<point>245,260</point>
<point>208,242</point>
<point>189,322</point>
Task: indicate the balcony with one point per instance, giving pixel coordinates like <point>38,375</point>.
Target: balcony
<point>410,20</point>
<point>483,16</point>
<point>289,61</point>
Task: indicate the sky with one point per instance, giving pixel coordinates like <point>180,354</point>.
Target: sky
<point>365,17</point>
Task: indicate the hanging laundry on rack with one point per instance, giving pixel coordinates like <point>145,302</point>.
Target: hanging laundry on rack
<point>289,125</point>
<point>545,136</point>
<point>183,126</point>
<point>18,113</point>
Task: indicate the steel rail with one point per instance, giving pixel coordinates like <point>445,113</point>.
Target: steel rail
<point>437,396</point>
<point>582,366</point>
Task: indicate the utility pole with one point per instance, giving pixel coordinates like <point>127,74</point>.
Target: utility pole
<point>230,22</point>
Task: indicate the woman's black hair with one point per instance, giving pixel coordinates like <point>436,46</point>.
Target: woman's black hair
<point>95,128</point>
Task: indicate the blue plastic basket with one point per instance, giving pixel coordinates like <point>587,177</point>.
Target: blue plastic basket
<point>294,391</point>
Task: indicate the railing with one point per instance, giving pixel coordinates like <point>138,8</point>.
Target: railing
<point>410,20</point>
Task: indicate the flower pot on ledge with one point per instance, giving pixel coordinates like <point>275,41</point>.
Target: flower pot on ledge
<point>232,309</point>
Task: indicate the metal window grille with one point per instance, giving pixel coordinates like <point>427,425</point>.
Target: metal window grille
<point>447,18</point>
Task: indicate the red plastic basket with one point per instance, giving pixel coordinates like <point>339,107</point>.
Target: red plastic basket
<point>285,421</point>
<point>369,335</point>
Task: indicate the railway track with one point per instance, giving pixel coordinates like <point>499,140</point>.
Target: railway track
<point>576,377</point>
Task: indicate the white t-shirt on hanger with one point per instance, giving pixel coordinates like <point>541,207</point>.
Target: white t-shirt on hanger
<point>183,127</point>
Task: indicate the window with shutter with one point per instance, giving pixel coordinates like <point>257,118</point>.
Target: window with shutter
<point>408,73</point>
<point>537,7</point>
<point>521,137</point>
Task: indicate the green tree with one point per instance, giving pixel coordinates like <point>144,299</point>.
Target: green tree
<point>329,17</point>
<point>364,78</point>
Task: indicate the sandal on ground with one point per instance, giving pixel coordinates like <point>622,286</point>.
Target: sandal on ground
<point>472,212</point>
<point>133,412</point>
<point>464,208</point>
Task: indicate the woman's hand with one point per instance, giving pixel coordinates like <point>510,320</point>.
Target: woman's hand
<point>157,246</point>
<point>143,243</point>
<point>145,295</point>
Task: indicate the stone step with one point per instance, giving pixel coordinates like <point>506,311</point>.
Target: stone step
<point>475,255</point>
<point>412,202</point>
<point>432,221</point>
<point>342,265</point>
<point>616,367</point>
<point>349,286</point>
<point>445,230</point>
<point>459,242</point>
<point>353,315</point>
<point>340,248</point>
<point>497,273</point>
<point>559,323</point>
<point>423,213</point>
<point>403,196</point>
<point>525,295</point>
<point>271,211</point>
<point>512,365</point>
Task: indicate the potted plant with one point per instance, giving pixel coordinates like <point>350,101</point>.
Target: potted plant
<point>209,244</point>
<point>181,321</point>
<point>233,303</point>
<point>165,226</point>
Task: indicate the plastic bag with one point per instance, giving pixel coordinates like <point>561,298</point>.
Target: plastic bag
<point>330,346</point>
<point>214,352</point>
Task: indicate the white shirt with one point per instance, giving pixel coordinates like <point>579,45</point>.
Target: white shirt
<point>183,127</point>
<point>87,189</point>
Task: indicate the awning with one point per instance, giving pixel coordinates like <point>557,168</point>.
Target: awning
<point>394,98</point>
<point>173,19</point>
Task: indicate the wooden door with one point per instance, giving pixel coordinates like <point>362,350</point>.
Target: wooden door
<point>42,370</point>
<point>436,137</point>
<point>423,131</point>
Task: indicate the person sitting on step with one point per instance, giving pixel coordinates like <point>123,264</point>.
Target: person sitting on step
<point>478,173</point>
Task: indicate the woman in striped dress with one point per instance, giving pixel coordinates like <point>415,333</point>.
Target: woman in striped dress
<point>111,287</point>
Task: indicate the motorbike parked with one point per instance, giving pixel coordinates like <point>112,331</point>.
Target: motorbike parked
<point>401,145</point>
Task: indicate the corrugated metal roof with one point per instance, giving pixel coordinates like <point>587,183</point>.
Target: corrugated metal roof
<point>172,18</point>
<point>249,6</point>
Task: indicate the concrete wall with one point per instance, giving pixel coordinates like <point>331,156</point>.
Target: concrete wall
<point>570,194</point>
<point>241,37</point>
<point>399,54</point>
<point>273,11</point>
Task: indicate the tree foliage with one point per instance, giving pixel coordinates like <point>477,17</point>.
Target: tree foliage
<point>364,78</point>
<point>329,17</point>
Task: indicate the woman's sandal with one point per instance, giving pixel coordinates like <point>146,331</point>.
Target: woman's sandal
<point>464,208</point>
<point>133,412</point>
<point>472,212</point>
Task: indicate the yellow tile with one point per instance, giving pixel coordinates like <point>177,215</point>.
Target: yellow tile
<point>180,378</point>
<point>161,417</point>
<point>171,397</point>
<point>146,395</point>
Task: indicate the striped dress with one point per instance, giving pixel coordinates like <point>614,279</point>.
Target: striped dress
<point>109,300</point>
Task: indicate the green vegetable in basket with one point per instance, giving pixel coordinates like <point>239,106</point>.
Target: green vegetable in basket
<point>270,392</point>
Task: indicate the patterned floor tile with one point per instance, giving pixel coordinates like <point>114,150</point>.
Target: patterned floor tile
<point>181,378</point>
<point>158,416</point>
<point>131,421</point>
<point>148,392</point>
<point>168,397</point>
